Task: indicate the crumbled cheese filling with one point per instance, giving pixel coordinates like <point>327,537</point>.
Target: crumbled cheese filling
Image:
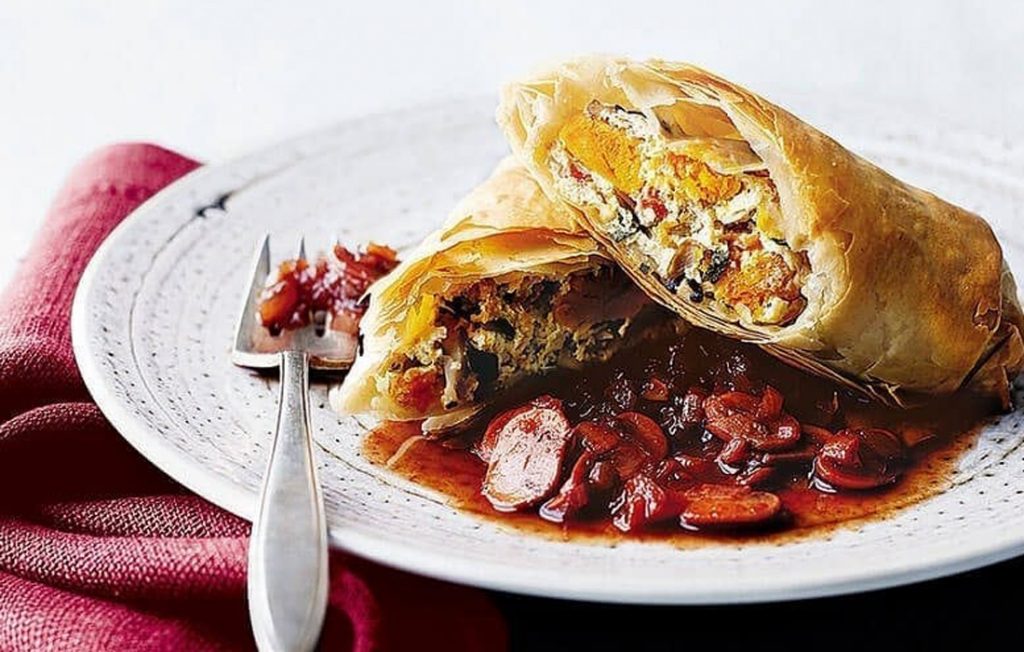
<point>705,234</point>
<point>493,334</point>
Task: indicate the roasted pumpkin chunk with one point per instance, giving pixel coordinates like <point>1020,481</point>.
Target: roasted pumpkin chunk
<point>605,150</point>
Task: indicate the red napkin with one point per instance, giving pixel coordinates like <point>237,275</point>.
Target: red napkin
<point>101,551</point>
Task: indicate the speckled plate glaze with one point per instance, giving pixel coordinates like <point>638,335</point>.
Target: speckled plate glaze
<point>152,330</point>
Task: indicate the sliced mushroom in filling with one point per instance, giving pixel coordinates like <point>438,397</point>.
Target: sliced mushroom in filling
<point>700,214</point>
<point>496,332</point>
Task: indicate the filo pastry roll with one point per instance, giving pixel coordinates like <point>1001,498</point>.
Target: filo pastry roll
<point>511,286</point>
<point>747,221</point>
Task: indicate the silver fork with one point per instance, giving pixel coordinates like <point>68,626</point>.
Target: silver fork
<point>287,585</point>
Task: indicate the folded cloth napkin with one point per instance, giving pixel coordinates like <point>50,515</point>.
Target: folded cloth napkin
<point>101,551</point>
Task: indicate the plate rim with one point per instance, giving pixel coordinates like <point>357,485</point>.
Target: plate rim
<point>225,493</point>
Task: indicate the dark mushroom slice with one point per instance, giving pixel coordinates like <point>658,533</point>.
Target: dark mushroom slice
<point>756,476</point>
<point>641,502</point>
<point>574,494</point>
<point>724,506</point>
<point>645,432</point>
<point>526,460</point>
<point>859,459</point>
<point>596,437</point>
<point>760,421</point>
<point>735,452</point>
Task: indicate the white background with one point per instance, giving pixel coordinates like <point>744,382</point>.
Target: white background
<point>216,79</point>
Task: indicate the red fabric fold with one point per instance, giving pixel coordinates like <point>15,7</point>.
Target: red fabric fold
<point>101,551</point>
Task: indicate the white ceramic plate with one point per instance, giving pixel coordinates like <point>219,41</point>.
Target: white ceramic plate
<point>153,321</point>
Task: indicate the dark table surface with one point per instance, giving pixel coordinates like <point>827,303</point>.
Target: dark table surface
<point>979,610</point>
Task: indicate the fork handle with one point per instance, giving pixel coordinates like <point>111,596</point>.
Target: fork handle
<point>288,549</point>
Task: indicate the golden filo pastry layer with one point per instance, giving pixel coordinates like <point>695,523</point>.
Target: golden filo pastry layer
<point>901,294</point>
<point>509,286</point>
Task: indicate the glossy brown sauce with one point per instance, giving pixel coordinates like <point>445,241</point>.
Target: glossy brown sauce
<point>946,429</point>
